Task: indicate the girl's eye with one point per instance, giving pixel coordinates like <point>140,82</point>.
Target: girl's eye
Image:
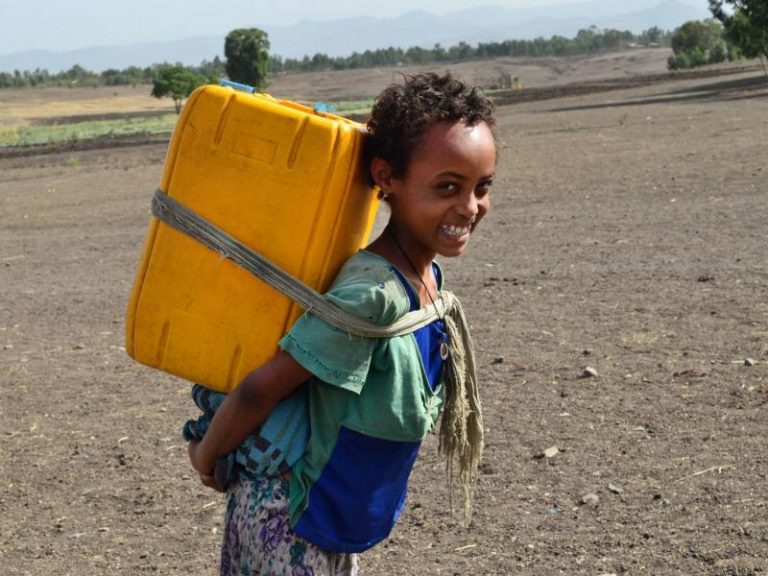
<point>483,188</point>
<point>447,187</point>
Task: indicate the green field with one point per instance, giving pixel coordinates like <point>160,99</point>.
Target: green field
<point>73,132</point>
<point>41,134</point>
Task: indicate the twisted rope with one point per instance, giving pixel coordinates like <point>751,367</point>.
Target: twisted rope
<point>188,222</point>
<point>461,425</point>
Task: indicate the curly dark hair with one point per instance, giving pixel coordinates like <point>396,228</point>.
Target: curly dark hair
<point>403,113</point>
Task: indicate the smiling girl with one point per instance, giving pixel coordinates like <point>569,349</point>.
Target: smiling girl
<point>432,154</point>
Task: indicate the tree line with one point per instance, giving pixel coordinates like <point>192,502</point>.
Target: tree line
<point>739,29</point>
<point>586,41</point>
<point>79,76</point>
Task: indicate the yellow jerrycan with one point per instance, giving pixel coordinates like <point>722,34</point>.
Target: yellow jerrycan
<point>281,178</point>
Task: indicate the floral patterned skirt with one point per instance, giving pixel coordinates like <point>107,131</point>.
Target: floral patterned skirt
<point>258,540</point>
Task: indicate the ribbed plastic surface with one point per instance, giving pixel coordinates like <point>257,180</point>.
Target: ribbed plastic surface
<point>280,178</point>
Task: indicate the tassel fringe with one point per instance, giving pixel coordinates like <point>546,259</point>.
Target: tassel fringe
<point>461,426</point>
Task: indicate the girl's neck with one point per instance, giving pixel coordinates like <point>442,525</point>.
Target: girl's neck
<point>411,260</point>
<point>418,258</point>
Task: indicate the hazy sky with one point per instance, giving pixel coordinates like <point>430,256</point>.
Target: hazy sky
<point>62,25</point>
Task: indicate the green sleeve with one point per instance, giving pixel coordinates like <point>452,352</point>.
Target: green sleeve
<point>366,289</point>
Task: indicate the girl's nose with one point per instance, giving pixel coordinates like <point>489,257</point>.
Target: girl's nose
<point>468,205</point>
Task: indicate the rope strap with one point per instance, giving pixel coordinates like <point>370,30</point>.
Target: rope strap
<point>461,428</point>
<point>186,221</point>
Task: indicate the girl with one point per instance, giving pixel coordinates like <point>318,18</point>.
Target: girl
<point>432,154</point>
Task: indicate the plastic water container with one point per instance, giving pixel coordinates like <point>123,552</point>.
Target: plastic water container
<point>281,178</point>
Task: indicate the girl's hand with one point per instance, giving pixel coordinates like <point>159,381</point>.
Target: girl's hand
<point>243,411</point>
<point>205,471</point>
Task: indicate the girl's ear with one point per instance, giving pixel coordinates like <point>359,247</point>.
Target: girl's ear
<point>381,172</point>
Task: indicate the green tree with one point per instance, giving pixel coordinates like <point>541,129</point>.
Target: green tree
<point>746,25</point>
<point>178,82</point>
<point>79,76</point>
<point>247,53</point>
<point>440,55</point>
<point>697,43</point>
<point>653,35</point>
<point>691,35</point>
<point>417,55</point>
<point>213,68</point>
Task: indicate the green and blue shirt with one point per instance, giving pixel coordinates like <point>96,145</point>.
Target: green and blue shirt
<point>371,404</point>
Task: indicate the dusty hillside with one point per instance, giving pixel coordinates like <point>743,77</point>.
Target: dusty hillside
<point>532,72</point>
<point>30,106</point>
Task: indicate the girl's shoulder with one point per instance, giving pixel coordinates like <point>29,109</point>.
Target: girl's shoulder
<point>367,286</point>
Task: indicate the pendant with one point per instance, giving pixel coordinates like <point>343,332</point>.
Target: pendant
<point>444,351</point>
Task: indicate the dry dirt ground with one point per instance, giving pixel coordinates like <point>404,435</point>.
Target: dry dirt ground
<point>531,72</point>
<point>627,234</point>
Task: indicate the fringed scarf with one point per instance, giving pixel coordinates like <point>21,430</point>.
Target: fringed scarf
<point>461,426</point>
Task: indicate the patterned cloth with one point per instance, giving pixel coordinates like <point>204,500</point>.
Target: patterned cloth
<point>259,542</point>
<point>273,448</point>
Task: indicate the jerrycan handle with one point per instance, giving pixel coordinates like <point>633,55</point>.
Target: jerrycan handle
<point>238,86</point>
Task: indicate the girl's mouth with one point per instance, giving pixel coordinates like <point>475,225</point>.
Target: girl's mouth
<point>458,232</point>
<point>455,231</point>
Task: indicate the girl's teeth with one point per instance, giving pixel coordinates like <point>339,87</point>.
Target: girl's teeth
<point>456,230</point>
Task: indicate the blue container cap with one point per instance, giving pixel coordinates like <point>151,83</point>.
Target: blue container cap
<point>324,107</point>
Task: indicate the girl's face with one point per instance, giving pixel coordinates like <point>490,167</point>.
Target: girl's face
<point>445,192</point>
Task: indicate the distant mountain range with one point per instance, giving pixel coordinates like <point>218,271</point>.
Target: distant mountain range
<point>344,36</point>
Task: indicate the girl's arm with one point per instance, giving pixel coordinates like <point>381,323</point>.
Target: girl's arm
<point>244,410</point>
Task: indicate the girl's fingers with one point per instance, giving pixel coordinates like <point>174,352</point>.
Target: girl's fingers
<point>210,481</point>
